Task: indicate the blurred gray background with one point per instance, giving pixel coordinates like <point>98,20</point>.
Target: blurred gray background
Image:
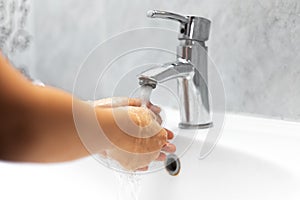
<point>255,44</point>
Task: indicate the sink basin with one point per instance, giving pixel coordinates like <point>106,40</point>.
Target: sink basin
<point>255,158</point>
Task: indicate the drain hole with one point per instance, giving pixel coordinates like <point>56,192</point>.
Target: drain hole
<point>172,165</point>
<point>182,30</point>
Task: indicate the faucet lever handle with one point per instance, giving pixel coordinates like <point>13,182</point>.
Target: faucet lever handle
<point>167,15</point>
<point>191,27</point>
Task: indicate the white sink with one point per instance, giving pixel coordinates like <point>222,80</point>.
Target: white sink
<point>255,159</point>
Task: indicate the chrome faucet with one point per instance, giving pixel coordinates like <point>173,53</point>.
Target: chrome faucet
<point>190,70</point>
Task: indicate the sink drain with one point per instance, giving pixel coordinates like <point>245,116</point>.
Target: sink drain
<point>172,165</point>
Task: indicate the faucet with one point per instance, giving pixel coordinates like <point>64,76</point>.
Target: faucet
<point>190,70</point>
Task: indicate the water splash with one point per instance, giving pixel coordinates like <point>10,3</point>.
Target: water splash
<point>129,185</point>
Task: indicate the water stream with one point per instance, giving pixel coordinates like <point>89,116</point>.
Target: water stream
<point>145,92</point>
<point>129,184</point>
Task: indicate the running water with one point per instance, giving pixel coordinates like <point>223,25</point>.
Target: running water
<point>145,94</point>
<point>129,185</point>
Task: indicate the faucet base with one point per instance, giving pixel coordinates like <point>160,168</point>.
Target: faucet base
<point>195,126</point>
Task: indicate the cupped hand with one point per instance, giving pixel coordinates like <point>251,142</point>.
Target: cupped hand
<point>135,147</point>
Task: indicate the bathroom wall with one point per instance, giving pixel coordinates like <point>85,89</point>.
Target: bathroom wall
<point>255,44</point>
<point>16,33</point>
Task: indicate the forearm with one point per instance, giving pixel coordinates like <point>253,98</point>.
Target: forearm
<point>36,124</point>
<point>51,128</point>
<point>14,115</point>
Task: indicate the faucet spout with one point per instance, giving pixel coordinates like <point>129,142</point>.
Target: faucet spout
<point>165,72</point>
<point>194,103</point>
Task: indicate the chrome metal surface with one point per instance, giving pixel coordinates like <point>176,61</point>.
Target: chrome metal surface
<point>166,72</point>
<point>190,70</point>
<point>191,27</point>
<point>197,29</point>
<point>195,126</point>
<point>167,15</point>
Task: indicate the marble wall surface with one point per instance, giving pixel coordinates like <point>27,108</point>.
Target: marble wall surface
<point>16,33</point>
<point>254,43</point>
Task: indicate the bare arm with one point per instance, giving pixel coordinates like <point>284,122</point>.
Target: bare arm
<point>37,125</point>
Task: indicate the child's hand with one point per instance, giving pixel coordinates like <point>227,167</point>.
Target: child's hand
<point>135,133</point>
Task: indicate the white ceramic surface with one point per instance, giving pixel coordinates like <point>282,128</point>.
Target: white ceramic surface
<point>254,159</point>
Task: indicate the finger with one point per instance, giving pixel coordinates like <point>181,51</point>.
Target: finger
<point>117,102</point>
<point>104,103</point>
<point>154,108</point>
<point>134,102</point>
<point>143,169</point>
<point>170,148</point>
<point>158,119</point>
<point>161,157</point>
<point>170,134</point>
